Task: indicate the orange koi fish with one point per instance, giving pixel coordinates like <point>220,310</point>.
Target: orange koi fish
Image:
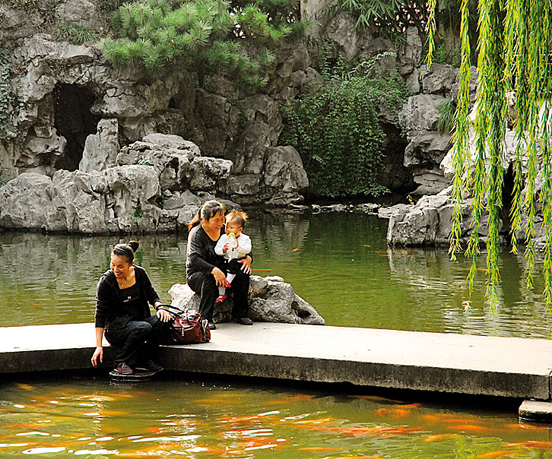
<point>395,413</point>
<point>409,406</point>
<point>319,448</point>
<point>470,428</point>
<point>296,249</point>
<point>25,386</point>
<point>439,437</point>
<point>494,454</point>
<point>532,444</point>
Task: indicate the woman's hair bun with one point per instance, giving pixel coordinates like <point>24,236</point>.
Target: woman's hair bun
<point>134,245</point>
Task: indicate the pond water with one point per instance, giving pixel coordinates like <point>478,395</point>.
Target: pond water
<point>340,264</point>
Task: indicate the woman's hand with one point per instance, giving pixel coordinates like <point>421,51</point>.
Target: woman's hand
<point>163,315</point>
<point>246,264</point>
<point>220,278</point>
<point>98,354</point>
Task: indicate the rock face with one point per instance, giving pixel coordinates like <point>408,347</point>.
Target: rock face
<point>427,146</point>
<point>73,110</point>
<point>157,185</point>
<point>270,300</point>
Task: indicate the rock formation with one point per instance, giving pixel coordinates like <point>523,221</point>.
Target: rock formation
<point>270,300</point>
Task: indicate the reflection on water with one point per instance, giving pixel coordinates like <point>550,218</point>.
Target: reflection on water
<point>91,418</point>
<point>339,262</point>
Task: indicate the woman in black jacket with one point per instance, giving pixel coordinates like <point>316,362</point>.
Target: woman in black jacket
<point>203,266</point>
<point>123,313</point>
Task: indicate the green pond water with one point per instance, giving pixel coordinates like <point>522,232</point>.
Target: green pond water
<point>338,262</point>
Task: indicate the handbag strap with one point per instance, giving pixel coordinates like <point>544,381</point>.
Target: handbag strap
<point>173,310</point>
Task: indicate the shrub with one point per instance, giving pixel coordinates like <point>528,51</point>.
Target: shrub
<point>337,128</point>
<point>447,115</point>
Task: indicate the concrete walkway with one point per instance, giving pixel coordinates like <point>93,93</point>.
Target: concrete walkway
<point>506,367</point>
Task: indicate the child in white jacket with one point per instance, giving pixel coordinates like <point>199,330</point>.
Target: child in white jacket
<point>233,246</point>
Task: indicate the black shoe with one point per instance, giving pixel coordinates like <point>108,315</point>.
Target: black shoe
<point>212,325</point>
<point>150,366</point>
<point>244,321</point>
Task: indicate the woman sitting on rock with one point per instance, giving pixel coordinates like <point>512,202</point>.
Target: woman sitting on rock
<point>122,310</point>
<point>203,265</point>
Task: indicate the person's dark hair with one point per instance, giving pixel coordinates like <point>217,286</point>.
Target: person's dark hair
<point>206,212</point>
<point>126,250</point>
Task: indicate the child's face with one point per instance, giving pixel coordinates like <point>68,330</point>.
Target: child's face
<point>233,227</point>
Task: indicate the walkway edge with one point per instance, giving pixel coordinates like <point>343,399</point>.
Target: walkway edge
<point>448,363</point>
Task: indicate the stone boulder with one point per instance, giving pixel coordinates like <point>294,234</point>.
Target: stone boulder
<point>178,162</point>
<point>438,79</point>
<point>427,147</point>
<point>270,300</point>
<point>426,223</point>
<point>284,175</point>
<point>101,149</point>
<point>116,200</point>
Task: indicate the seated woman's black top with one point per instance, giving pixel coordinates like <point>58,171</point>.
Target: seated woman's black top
<point>111,309</point>
<point>201,255</point>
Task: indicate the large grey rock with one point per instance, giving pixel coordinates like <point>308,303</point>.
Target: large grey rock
<point>410,54</point>
<point>118,199</point>
<point>428,148</point>
<point>270,300</point>
<point>420,113</point>
<point>27,202</point>
<point>438,79</point>
<point>428,222</point>
<point>284,169</point>
<point>101,149</point>
<point>178,162</point>
<point>342,31</point>
<point>80,13</point>
<point>262,128</point>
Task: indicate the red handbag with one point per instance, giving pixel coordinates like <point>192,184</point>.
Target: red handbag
<point>187,327</point>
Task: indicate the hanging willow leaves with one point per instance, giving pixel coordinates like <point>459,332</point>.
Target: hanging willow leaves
<point>513,61</point>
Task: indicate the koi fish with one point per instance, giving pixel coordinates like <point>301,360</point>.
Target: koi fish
<point>319,448</point>
<point>25,386</point>
<point>409,405</point>
<point>463,421</point>
<point>439,437</point>
<point>296,249</point>
<point>395,413</point>
<point>532,444</point>
<point>366,245</point>
<point>470,428</point>
<point>494,454</point>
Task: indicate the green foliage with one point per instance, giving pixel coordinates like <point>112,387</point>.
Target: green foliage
<point>204,36</point>
<point>514,45</point>
<point>447,116</point>
<point>74,35</point>
<point>336,129</point>
<point>143,161</point>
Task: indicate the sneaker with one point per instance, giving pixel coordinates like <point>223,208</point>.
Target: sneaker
<point>124,369</point>
<point>220,298</point>
<point>212,325</point>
